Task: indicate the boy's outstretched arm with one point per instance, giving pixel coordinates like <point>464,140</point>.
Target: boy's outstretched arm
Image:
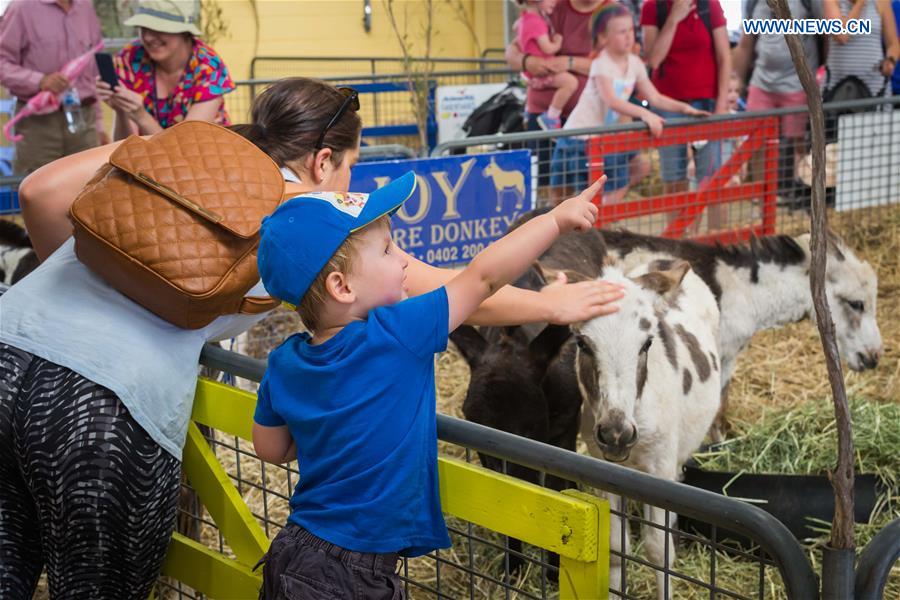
<point>557,303</point>
<point>507,258</point>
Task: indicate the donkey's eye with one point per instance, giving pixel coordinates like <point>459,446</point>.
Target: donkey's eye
<point>647,345</point>
<point>856,305</point>
<point>583,345</point>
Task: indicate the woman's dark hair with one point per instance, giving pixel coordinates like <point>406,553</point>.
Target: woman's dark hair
<point>288,117</point>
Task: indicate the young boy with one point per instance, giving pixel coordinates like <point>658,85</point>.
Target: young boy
<point>357,395</point>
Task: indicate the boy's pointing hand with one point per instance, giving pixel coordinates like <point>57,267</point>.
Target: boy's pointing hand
<point>578,213</point>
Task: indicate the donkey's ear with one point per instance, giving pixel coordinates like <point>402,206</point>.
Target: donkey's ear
<point>547,344</point>
<point>470,343</point>
<point>531,279</point>
<point>835,243</point>
<point>550,274</point>
<point>542,273</point>
<point>665,283</point>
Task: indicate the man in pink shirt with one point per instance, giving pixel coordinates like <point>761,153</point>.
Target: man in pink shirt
<point>38,37</point>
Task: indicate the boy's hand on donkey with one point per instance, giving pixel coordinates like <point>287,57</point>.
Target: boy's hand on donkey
<point>578,213</point>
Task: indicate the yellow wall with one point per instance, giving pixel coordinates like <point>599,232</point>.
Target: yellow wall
<point>318,28</point>
<point>311,28</point>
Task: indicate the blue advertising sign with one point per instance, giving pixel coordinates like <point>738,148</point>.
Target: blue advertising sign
<point>461,204</point>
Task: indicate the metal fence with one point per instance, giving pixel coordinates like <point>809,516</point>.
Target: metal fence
<point>722,177</point>
<point>274,67</point>
<point>385,100</point>
<point>483,564</point>
<point>876,561</point>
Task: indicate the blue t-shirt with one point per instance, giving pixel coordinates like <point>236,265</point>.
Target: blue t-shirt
<point>361,409</point>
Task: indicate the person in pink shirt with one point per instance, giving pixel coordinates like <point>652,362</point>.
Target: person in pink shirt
<point>38,37</point>
<point>536,36</point>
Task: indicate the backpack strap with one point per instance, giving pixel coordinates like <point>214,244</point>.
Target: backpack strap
<point>254,305</point>
<point>704,13</point>
<point>662,11</point>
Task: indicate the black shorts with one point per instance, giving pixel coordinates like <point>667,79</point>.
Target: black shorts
<point>300,565</point>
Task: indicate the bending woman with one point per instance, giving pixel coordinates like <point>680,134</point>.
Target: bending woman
<point>96,391</point>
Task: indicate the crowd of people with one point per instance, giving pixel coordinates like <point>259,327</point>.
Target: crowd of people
<point>96,391</point>
<point>685,47</point>
<point>165,76</point>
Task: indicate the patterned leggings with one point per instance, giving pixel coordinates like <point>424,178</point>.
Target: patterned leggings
<point>83,489</point>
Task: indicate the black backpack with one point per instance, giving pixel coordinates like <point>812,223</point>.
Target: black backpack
<point>501,113</point>
<point>850,87</point>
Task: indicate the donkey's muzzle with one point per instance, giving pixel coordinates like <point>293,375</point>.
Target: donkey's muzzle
<point>616,438</point>
<point>868,360</point>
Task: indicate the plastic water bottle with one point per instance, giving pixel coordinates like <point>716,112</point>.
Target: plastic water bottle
<point>71,105</point>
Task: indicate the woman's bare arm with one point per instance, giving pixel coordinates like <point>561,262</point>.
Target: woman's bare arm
<point>832,10</point>
<point>204,111</point>
<point>889,31</point>
<point>722,51</point>
<point>46,195</point>
<point>540,66</point>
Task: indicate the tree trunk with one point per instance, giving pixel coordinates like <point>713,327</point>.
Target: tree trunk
<point>842,477</point>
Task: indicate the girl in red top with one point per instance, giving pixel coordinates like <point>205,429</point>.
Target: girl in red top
<point>691,61</point>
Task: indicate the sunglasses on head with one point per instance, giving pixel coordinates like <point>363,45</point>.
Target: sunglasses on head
<point>351,101</point>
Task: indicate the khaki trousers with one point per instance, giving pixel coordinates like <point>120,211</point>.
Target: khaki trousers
<point>46,138</point>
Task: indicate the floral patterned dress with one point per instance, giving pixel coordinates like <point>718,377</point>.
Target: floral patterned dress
<point>205,78</point>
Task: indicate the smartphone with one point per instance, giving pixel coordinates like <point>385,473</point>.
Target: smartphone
<point>107,69</point>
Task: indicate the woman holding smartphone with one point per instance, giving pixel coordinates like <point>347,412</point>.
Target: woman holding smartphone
<point>167,75</point>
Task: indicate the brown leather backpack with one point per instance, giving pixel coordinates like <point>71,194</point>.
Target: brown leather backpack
<point>173,222</point>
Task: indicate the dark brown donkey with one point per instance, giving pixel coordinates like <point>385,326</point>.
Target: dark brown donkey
<point>523,378</point>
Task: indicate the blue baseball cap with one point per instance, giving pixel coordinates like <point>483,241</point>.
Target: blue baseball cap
<point>300,237</point>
